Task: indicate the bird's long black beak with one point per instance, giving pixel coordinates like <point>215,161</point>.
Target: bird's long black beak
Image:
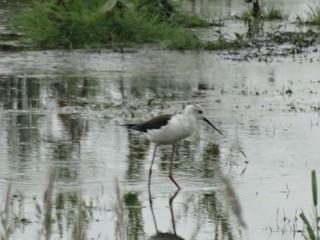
<point>207,121</point>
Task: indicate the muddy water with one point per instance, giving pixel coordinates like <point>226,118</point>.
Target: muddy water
<point>65,109</point>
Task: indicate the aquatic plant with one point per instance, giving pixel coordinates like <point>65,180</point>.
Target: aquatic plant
<point>112,23</point>
<point>311,225</point>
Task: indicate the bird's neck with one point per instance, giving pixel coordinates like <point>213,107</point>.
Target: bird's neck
<point>192,120</point>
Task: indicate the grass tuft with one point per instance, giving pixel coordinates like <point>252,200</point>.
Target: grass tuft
<point>112,23</point>
<point>313,16</point>
<point>273,14</point>
<point>268,14</point>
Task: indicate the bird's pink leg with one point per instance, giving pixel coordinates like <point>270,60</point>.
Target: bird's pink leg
<point>171,210</point>
<point>150,172</point>
<point>170,166</point>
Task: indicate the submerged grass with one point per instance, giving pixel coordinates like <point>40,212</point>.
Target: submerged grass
<point>113,23</point>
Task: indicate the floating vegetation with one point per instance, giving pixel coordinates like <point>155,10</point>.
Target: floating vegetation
<point>222,43</point>
<point>300,39</point>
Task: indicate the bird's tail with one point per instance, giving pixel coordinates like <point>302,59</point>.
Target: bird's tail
<point>129,125</point>
<point>133,126</point>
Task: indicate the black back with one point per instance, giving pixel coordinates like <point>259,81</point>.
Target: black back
<point>154,123</point>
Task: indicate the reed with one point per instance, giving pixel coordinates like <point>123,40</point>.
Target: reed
<point>311,224</point>
<point>6,216</point>
<point>120,232</point>
<point>48,204</point>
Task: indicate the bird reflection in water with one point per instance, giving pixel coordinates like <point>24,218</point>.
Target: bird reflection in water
<point>165,235</point>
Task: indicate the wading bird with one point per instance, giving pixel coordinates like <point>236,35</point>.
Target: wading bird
<point>169,129</point>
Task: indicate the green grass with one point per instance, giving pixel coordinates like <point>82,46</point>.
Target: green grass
<point>313,16</point>
<point>97,23</point>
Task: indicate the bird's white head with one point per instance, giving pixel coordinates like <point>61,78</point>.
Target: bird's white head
<point>194,110</point>
<point>197,112</point>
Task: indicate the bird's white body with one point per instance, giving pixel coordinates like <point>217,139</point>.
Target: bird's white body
<point>179,127</point>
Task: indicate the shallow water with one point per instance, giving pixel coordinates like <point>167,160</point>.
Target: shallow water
<point>65,109</point>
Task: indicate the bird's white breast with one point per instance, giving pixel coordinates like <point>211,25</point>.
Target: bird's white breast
<point>178,127</point>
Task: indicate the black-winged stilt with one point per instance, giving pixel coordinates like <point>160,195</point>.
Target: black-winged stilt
<point>169,129</point>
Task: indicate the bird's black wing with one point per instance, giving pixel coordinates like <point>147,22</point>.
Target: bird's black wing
<point>154,123</point>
